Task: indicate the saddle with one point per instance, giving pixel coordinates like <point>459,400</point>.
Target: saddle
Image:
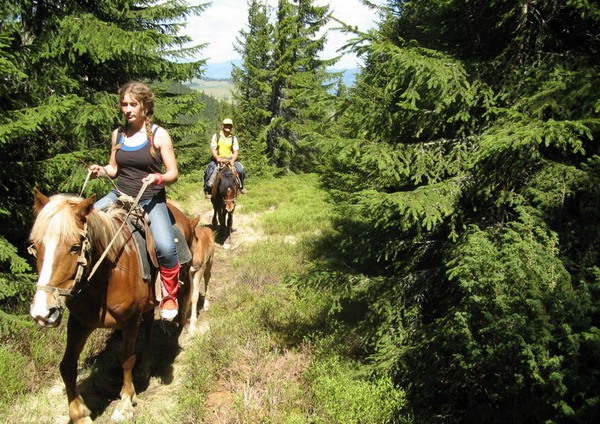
<point>139,225</point>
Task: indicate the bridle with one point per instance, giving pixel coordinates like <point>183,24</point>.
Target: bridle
<point>230,202</point>
<point>82,262</point>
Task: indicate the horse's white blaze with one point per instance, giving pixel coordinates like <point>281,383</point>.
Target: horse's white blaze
<point>39,307</point>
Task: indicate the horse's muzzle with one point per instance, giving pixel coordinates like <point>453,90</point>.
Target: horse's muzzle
<point>51,320</point>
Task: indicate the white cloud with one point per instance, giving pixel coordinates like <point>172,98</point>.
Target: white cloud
<point>220,24</point>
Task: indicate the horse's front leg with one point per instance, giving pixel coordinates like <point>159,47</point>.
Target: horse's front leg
<point>77,335</point>
<point>229,223</point>
<point>215,221</point>
<point>229,229</point>
<point>222,219</point>
<point>146,364</point>
<point>124,410</point>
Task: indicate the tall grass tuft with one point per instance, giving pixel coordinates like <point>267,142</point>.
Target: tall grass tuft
<point>343,394</point>
<point>16,375</point>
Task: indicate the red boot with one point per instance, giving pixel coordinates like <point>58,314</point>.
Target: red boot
<point>170,281</point>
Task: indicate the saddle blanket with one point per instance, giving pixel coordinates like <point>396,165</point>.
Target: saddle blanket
<point>183,250</point>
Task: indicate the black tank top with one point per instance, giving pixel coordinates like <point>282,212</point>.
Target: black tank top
<point>135,163</point>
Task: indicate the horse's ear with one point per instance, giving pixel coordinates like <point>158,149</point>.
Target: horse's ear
<point>85,207</point>
<point>194,222</point>
<point>39,200</point>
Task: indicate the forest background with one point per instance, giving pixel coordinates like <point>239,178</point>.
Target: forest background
<point>461,168</point>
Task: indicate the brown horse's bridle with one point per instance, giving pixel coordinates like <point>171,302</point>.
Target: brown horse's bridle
<point>228,202</point>
<point>82,261</point>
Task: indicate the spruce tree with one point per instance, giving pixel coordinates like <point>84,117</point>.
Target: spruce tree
<point>466,186</point>
<point>63,62</point>
<point>253,85</point>
<point>299,99</point>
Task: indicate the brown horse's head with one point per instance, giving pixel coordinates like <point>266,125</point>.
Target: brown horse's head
<point>229,199</point>
<point>58,242</point>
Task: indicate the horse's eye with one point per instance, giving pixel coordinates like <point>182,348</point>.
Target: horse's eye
<point>75,249</point>
<point>32,250</point>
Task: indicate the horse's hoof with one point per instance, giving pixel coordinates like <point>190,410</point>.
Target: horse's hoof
<point>123,411</point>
<point>226,246</point>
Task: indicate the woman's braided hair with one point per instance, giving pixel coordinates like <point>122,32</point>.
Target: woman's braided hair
<point>142,93</point>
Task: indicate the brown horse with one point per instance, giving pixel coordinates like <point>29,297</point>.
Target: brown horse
<point>68,238</point>
<point>203,250</point>
<point>224,197</point>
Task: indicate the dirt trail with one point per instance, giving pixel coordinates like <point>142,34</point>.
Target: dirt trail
<point>156,396</point>
<point>159,397</point>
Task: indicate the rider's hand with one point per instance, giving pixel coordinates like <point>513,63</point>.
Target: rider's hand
<point>97,171</point>
<point>153,179</point>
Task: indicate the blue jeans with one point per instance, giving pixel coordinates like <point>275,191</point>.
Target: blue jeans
<point>160,226</point>
<point>212,167</point>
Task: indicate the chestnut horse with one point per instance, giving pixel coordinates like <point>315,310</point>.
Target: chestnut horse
<point>68,238</point>
<point>223,198</point>
<point>203,250</point>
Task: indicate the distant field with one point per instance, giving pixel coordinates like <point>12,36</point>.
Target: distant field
<point>219,89</point>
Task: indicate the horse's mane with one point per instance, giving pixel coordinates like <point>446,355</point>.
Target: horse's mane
<point>227,180</point>
<point>56,221</point>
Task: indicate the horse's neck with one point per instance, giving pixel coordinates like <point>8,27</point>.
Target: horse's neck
<point>108,232</point>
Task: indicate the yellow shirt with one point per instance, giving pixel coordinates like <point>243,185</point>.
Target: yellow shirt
<point>225,145</point>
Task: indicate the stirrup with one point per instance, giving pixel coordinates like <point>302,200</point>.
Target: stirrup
<point>168,314</point>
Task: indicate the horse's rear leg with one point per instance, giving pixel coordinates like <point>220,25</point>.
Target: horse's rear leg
<point>124,409</point>
<point>195,277</point>
<point>207,275</point>
<point>77,335</point>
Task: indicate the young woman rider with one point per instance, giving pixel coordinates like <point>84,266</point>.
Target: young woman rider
<point>140,152</point>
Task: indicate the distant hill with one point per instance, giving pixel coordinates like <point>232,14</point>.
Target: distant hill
<point>220,89</point>
<point>222,71</point>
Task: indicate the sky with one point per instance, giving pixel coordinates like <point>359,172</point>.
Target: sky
<point>220,24</point>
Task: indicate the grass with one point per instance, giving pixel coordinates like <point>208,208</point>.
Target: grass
<point>346,396</point>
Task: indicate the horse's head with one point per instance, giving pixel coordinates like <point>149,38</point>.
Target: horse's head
<point>229,199</point>
<point>59,243</point>
<point>228,188</point>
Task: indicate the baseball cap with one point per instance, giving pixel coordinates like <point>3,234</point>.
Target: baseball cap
<point>227,121</point>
